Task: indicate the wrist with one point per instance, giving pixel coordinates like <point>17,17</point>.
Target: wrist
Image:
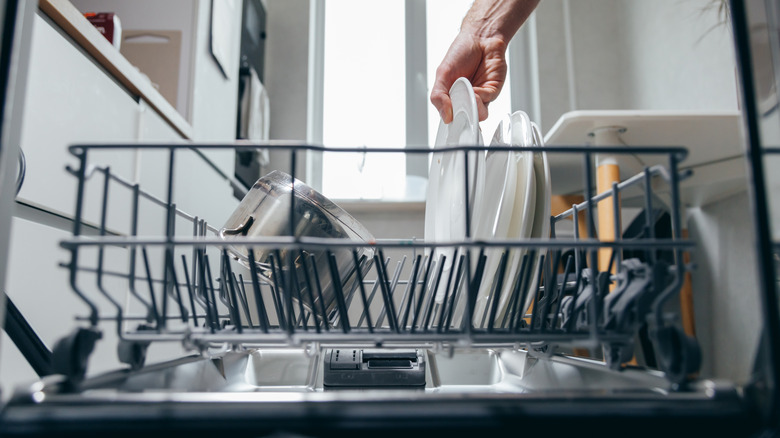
<point>497,19</point>
<point>485,28</point>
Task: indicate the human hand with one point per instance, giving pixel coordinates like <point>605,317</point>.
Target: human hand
<point>479,59</point>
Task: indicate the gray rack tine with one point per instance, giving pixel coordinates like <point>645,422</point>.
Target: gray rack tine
<point>594,303</point>
<point>443,309</point>
<point>393,284</point>
<point>101,254</point>
<point>649,225</point>
<point>616,220</point>
<point>175,281</point>
<point>242,296</point>
<point>278,285</point>
<point>472,291</point>
<point>227,283</point>
<point>211,294</point>
<point>262,316</point>
<point>516,287</point>
<point>406,300</point>
<point>383,311</point>
<point>495,285</point>
<point>200,291</point>
<point>411,287</point>
<point>459,277</point>
<point>430,306</point>
<point>384,287</point>
<point>134,253</point>
<point>679,271</point>
<point>307,278</point>
<point>372,295</point>
<point>550,286</point>
<point>151,288</point>
<point>81,154</point>
<point>496,296</point>
<point>526,275</point>
<point>210,317</point>
<point>431,266</point>
<point>366,309</point>
<point>223,289</point>
<point>190,292</point>
<point>339,292</point>
<point>296,289</point>
<point>320,297</point>
<point>222,282</point>
<point>561,292</point>
<point>289,281</point>
<point>577,251</point>
<point>537,293</point>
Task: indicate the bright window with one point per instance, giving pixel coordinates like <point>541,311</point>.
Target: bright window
<point>364,98</point>
<point>364,91</point>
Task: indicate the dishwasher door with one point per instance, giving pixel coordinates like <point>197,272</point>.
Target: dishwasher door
<point>16,19</point>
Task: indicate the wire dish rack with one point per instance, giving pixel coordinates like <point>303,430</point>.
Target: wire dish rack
<point>184,284</point>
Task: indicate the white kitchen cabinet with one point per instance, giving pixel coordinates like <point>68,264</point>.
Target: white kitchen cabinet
<point>73,99</point>
<point>70,100</point>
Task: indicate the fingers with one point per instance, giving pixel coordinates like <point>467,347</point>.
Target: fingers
<point>482,62</point>
<point>482,110</point>
<point>440,99</point>
<point>488,91</point>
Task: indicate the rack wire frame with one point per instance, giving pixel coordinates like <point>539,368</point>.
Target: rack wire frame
<point>202,300</point>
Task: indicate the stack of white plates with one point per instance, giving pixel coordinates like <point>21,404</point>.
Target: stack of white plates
<point>509,196</point>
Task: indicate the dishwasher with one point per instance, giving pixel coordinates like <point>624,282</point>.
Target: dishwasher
<point>326,334</point>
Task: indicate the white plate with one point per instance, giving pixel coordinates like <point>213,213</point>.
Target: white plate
<point>522,217</point>
<point>445,205</point>
<point>541,227</point>
<point>496,196</point>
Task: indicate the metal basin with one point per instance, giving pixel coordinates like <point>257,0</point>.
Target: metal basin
<point>470,372</point>
<point>281,369</point>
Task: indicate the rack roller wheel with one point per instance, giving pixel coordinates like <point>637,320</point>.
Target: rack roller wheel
<point>71,353</point>
<point>616,354</point>
<point>679,354</point>
<point>132,353</point>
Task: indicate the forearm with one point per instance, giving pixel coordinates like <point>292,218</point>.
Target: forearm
<point>497,18</point>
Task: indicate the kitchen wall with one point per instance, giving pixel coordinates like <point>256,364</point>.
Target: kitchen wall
<point>725,287</point>
<point>682,55</point>
<point>286,73</point>
<point>633,54</point>
<point>588,74</point>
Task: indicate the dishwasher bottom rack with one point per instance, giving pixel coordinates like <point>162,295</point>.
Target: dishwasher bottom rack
<point>543,295</point>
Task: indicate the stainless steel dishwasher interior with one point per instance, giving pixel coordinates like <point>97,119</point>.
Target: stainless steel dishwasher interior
<point>476,371</point>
